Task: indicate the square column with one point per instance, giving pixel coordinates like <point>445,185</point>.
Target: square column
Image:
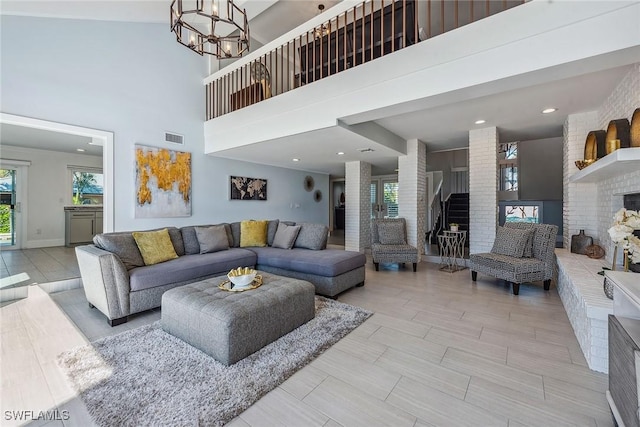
<point>412,192</point>
<point>357,206</point>
<point>483,189</point>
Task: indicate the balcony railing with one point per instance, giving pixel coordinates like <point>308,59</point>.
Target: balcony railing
<point>355,35</point>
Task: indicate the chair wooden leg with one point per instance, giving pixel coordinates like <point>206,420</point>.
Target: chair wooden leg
<point>516,288</point>
<point>547,285</point>
<point>415,267</point>
<point>359,285</point>
<point>376,265</point>
<point>91,305</point>
<point>474,275</point>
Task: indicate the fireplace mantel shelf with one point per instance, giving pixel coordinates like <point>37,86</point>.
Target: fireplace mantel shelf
<point>617,163</point>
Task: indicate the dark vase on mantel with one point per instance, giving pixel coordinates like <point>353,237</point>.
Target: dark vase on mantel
<point>579,243</point>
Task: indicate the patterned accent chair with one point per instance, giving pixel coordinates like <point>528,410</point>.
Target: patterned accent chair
<point>522,252</point>
<point>389,243</point>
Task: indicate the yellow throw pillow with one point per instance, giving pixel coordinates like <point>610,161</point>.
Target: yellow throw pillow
<point>253,233</point>
<point>155,246</point>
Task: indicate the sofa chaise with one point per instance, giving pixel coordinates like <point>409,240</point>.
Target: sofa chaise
<point>118,280</point>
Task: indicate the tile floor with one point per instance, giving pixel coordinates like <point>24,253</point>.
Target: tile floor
<point>42,265</point>
<point>440,350</point>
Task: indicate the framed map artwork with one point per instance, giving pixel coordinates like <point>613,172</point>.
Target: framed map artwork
<point>163,182</point>
<point>243,188</point>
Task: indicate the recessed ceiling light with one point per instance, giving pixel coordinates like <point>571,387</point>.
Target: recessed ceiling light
<point>479,122</point>
<point>295,160</point>
<point>340,153</point>
<point>549,110</point>
<point>80,149</point>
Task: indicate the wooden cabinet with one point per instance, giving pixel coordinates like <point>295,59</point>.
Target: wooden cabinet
<point>624,349</point>
<point>81,224</point>
<point>335,50</point>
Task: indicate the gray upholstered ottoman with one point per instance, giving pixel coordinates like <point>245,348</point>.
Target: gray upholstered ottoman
<point>229,326</point>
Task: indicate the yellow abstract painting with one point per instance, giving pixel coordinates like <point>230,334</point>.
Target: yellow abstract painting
<point>163,182</point>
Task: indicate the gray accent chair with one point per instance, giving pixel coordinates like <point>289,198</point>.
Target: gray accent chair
<point>389,243</point>
<point>540,266</point>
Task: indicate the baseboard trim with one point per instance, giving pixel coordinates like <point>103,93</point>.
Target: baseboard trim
<point>34,244</point>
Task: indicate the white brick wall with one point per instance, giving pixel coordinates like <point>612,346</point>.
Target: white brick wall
<point>590,206</point>
<point>412,190</point>
<point>579,199</point>
<point>483,188</point>
<point>620,104</point>
<point>580,289</point>
<point>357,205</point>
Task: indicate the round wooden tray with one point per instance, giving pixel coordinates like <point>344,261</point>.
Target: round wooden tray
<point>618,129</point>
<point>594,146</point>
<point>635,129</point>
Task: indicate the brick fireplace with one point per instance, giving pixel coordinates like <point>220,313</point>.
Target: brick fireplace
<point>590,204</point>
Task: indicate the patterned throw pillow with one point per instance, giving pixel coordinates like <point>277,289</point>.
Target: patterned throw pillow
<point>391,233</point>
<point>285,236</point>
<point>155,246</point>
<point>511,241</point>
<point>212,239</point>
<point>253,233</point>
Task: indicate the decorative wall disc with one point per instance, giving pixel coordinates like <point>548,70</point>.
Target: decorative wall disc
<point>317,196</point>
<point>308,183</point>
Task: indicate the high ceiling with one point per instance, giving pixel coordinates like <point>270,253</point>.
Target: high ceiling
<point>20,136</point>
<point>516,113</point>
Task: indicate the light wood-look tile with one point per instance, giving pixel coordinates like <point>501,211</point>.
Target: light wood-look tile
<point>431,374</point>
<point>521,407</point>
<point>443,409</point>
<point>409,344</point>
<point>495,351</point>
<point>527,345</point>
<point>362,375</point>
<point>432,355</point>
<point>568,372</point>
<point>304,381</point>
<point>477,366</point>
<point>280,408</point>
<point>349,406</point>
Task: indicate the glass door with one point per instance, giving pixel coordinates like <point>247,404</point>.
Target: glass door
<point>8,204</point>
<point>384,198</point>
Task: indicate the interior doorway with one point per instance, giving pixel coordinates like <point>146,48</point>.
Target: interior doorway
<point>105,139</point>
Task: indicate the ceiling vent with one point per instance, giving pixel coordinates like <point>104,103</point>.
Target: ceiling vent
<point>174,138</point>
<point>366,150</point>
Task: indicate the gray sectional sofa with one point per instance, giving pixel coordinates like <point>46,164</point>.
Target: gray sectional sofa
<point>118,283</point>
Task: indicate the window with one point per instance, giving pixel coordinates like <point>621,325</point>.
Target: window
<point>86,186</point>
<point>390,198</point>
<point>508,164</point>
<point>522,214</point>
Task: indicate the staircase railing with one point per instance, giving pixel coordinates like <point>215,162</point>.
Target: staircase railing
<point>345,36</point>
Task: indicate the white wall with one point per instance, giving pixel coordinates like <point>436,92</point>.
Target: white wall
<point>48,191</point>
<point>135,80</point>
<point>436,72</point>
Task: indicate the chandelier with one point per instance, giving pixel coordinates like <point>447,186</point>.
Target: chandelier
<point>200,25</point>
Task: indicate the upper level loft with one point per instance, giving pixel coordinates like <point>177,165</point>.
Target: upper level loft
<point>375,74</point>
<point>354,35</point>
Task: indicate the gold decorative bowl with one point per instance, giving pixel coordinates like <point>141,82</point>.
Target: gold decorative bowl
<point>242,277</point>
<point>581,164</point>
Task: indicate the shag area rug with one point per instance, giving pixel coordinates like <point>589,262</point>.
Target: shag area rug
<point>146,377</point>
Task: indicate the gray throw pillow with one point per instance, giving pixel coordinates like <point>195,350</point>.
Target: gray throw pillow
<point>272,228</point>
<point>391,233</point>
<point>212,239</point>
<point>312,236</point>
<point>285,236</point>
<point>511,241</point>
<point>123,245</point>
<point>191,245</point>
